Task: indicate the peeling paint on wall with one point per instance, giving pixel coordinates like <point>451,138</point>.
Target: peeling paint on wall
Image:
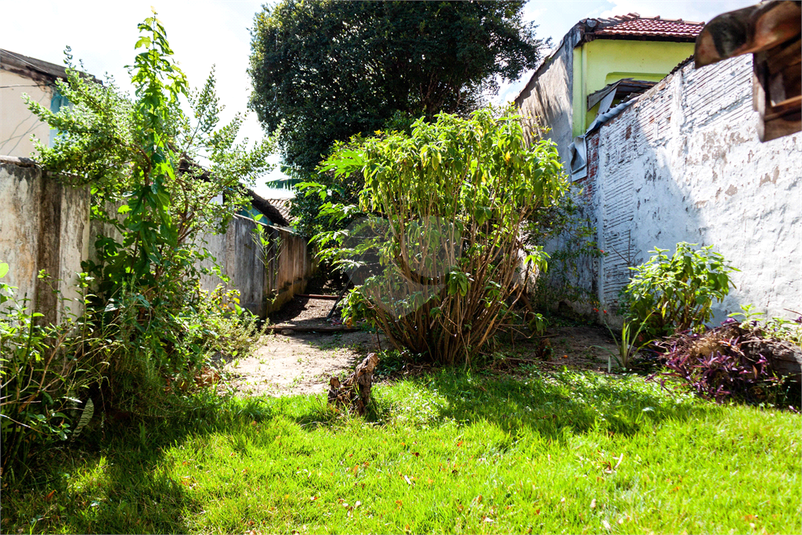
<point>684,164</point>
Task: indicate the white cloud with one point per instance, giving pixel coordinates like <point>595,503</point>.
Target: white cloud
<point>692,10</point>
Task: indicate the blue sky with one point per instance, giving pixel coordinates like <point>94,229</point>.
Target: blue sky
<point>216,32</point>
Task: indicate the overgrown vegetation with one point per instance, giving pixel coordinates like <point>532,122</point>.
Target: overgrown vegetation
<point>148,327</point>
<point>439,242</point>
<point>44,372</point>
<point>746,362</point>
<point>324,71</point>
<point>452,452</point>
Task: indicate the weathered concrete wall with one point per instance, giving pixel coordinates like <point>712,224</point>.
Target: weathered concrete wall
<point>684,164</point>
<point>43,226</point>
<point>547,98</point>
<point>291,269</point>
<point>266,277</point>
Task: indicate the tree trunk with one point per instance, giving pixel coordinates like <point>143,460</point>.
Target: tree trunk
<point>354,392</point>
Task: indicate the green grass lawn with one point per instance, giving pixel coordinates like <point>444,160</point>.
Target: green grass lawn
<point>452,452</point>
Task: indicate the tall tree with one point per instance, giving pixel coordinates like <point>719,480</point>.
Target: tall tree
<point>328,70</point>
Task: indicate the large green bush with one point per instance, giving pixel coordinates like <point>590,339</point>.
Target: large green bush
<point>148,327</point>
<point>440,244</point>
<point>674,293</point>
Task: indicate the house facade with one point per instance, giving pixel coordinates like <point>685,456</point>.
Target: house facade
<point>683,160</point>
<point>18,75</point>
<point>567,91</point>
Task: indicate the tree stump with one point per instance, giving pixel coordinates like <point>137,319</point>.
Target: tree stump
<point>354,392</point>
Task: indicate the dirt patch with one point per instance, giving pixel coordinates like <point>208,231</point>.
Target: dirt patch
<point>306,312</point>
<point>585,347</point>
<point>302,363</point>
<point>298,364</point>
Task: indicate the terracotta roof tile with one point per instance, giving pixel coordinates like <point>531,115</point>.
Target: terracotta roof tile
<point>283,206</point>
<point>633,25</point>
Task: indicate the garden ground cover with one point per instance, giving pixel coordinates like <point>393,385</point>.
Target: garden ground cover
<point>446,451</point>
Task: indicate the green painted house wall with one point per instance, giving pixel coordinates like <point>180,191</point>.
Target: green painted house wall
<point>604,61</point>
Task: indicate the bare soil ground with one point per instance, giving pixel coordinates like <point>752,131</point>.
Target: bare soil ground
<point>299,363</point>
<point>302,363</point>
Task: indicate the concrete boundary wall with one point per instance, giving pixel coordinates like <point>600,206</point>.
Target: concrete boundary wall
<point>267,276</point>
<point>45,226</point>
<point>684,164</point>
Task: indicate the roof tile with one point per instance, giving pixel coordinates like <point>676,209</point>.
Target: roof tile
<point>635,26</point>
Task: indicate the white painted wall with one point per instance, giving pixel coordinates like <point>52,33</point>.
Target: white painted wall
<point>684,164</point>
<point>17,123</point>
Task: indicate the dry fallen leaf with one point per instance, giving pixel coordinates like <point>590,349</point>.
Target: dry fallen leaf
<point>605,524</point>
<point>593,503</point>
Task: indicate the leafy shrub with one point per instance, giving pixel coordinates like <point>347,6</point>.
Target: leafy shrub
<point>139,156</point>
<point>439,244</point>
<point>44,373</point>
<point>728,362</point>
<point>672,294</point>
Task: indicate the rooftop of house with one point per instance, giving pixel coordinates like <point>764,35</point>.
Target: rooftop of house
<point>35,69</point>
<point>633,26</point>
<point>283,206</point>
<point>270,208</point>
<point>623,27</point>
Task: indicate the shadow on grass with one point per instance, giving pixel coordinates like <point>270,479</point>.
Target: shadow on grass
<point>126,487</point>
<point>554,406</point>
<point>113,482</point>
<point>558,404</point>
